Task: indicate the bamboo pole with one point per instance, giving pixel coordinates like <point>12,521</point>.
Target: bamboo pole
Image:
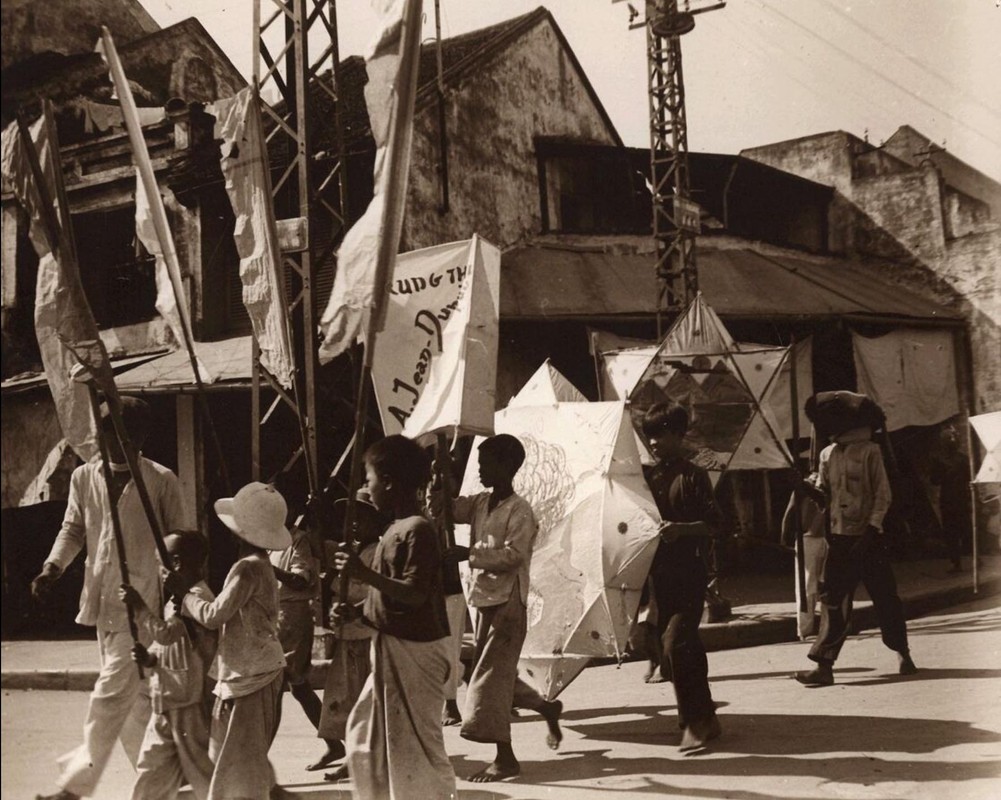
<point>116,521</point>
<point>144,168</point>
<point>397,157</point>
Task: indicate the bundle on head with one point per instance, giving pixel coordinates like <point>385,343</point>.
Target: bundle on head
<point>834,413</point>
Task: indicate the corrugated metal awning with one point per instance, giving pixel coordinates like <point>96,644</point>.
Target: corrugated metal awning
<point>229,360</point>
<point>547,282</point>
<point>31,380</point>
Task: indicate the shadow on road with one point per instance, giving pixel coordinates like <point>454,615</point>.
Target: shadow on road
<point>926,675</point>
<point>755,734</point>
<point>750,676</point>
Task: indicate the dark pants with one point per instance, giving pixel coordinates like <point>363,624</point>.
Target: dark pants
<point>680,592</point>
<point>842,573</point>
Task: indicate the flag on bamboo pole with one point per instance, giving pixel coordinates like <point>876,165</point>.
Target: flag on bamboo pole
<point>152,227</point>
<point>64,326</point>
<point>166,299</point>
<point>391,61</point>
<point>248,184</point>
<point>434,368</point>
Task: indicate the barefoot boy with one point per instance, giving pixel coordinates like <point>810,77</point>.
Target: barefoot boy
<point>503,530</point>
<point>349,661</point>
<point>250,662</point>
<point>175,749</point>
<point>394,739</point>
<point>684,497</point>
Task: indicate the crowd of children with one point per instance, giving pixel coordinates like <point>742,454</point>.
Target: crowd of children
<point>218,665</point>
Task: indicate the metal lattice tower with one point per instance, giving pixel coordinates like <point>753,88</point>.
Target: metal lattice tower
<point>675,217</point>
<point>310,192</point>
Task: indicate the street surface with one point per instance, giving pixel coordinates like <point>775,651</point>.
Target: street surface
<point>872,736</point>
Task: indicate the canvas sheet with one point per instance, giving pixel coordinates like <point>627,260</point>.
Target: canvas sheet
<point>911,374</point>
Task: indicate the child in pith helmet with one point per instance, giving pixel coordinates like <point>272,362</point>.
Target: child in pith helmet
<point>250,663</point>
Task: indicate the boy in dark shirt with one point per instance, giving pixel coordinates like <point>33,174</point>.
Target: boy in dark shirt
<point>684,497</point>
<point>394,739</point>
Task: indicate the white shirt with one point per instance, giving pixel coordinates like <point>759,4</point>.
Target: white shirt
<point>853,476</point>
<point>87,522</point>
<point>249,654</point>
<point>500,546</point>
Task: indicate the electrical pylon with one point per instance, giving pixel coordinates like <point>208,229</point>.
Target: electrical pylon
<point>310,194</point>
<point>675,217</point>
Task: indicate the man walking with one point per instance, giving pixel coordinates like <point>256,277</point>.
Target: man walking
<point>116,709</point>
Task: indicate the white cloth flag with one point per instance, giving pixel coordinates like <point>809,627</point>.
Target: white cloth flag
<point>166,299</point>
<point>152,226</point>
<point>54,301</point>
<point>244,165</point>
<point>435,362</point>
<point>391,62</point>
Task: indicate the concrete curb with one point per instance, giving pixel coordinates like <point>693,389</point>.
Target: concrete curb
<point>49,680</point>
<point>741,630</point>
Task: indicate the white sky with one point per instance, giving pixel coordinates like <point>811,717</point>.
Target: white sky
<point>756,71</point>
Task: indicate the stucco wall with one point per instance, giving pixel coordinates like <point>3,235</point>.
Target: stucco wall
<point>67,27</point>
<point>965,215</point>
<point>29,429</point>
<point>909,206</point>
<point>531,88</point>
<point>826,158</point>
<point>973,266</point>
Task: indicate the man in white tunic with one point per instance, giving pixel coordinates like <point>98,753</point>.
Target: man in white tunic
<point>119,708</point>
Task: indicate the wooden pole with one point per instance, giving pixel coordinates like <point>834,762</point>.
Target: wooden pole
<point>443,460</point>
<point>804,606</point>
<point>973,506</point>
<point>116,521</point>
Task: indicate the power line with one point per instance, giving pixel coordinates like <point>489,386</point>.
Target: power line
<point>754,40</point>
<point>886,43</point>
<point>876,72</point>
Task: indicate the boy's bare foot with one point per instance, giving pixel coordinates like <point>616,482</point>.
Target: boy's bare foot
<point>655,676</point>
<point>62,794</point>
<point>498,771</point>
<point>450,715</point>
<point>551,712</point>
<point>338,774</point>
<point>335,752</point>
<point>698,734</point>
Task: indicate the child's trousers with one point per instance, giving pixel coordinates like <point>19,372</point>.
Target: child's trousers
<point>175,751</point>
<point>242,731</point>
